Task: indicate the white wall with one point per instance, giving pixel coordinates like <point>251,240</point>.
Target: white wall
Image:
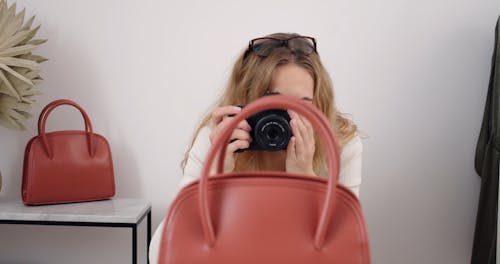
<point>413,74</point>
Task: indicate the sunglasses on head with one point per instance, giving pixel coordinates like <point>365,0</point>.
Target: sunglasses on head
<point>297,44</point>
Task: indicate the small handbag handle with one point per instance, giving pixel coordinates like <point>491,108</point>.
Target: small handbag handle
<point>42,120</point>
<point>323,128</point>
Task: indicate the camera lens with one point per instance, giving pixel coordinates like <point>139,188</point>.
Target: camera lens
<point>272,131</point>
<point>272,134</point>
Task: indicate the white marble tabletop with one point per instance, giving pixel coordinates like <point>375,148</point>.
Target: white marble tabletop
<point>117,210</point>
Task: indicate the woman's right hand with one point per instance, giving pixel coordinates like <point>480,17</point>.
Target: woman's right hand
<point>240,138</point>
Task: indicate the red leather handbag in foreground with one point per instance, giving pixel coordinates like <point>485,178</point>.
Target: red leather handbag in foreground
<point>66,166</point>
<point>266,217</point>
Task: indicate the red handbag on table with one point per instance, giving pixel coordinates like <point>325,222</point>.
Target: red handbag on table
<point>266,217</point>
<point>66,166</point>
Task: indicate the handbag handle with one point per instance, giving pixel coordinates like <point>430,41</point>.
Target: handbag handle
<point>323,128</point>
<point>42,120</point>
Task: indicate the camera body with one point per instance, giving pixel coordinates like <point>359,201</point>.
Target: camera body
<point>270,130</point>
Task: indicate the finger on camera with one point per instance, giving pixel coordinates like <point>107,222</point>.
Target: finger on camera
<point>294,124</point>
<point>292,113</point>
<point>307,124</point>
<point>307,135</point>
<point>302,128</point>
<point>241,125</point>
<point>291,148</point>
<point>237,144</point>
<point>222,126</point>
<point>297,133</point>
<point>219,113</point>
<point>240,134</point>
<point>244,125</point>
<point>218,128</point>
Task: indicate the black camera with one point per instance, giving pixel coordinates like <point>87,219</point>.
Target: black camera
<point>270,130</point>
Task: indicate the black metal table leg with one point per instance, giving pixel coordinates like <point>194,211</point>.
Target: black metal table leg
<point>149,234</point>
<point>134,244</point>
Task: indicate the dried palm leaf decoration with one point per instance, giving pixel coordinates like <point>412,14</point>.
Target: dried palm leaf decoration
<point>19,69</point>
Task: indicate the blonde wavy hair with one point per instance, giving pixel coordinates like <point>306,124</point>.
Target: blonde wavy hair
<point>250,79</point>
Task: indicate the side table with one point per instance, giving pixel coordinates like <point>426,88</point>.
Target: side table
<point>118,212</point>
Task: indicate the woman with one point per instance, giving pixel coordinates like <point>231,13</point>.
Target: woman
<point>284,63</point>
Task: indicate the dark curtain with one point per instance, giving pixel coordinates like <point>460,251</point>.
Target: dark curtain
<point>486,165</point>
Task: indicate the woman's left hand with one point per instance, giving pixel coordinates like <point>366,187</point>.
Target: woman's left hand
<point>300,150</point>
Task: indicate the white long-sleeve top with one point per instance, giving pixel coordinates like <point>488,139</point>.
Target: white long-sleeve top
<point>350,174</point>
